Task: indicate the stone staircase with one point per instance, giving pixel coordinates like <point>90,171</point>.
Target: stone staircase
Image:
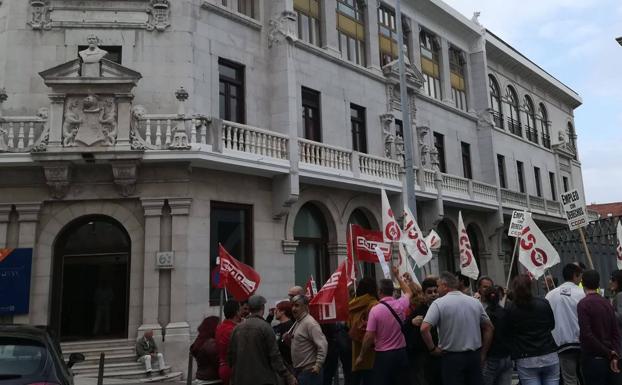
<point>119,363</point>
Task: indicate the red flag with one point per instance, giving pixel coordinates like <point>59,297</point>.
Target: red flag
<point>331,302</point>
<point>238,278</point>
<point>310,288</point>
<point>365,242</point>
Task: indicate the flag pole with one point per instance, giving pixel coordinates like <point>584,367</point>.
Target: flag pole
<point>587,250</point>
<point>546,283</point>
<point>507,285</point>
<point>220,311</point>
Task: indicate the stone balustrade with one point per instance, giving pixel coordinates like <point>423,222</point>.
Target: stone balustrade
<point>324,155</point>
<point>253,140</point>
<point>514,199</point>
<point>455,185</point>
<point>379,167</point>
<point>485,192</point>
<point>22,133</point>
<point>537,203</point>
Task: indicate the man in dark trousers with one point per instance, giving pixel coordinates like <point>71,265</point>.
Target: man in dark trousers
<point>599,336</point>
<point>146,350</point>
<point>254,356</point>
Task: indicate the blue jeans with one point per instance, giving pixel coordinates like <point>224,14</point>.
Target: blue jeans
<point>498,371</point>
<point>546,375</point>
<point>308,378</point>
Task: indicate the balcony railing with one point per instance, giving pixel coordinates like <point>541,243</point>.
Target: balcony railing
<point>379,167</point>
<point>455,185</point>
<point>484,192</point>
<point>253,140</point>
<point>546,140</point>
<point>22,133</point>
<point>497,118</point>
<point>513,199</point>
<point>553,207</point>
<point>532,134</point>
<point>515,127</point>
<point>537,203</point>
<point>324,155</point>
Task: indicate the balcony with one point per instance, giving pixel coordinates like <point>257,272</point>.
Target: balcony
<point>252,150</point>
<point>532,134</point>
<point>497,118</point>
<point>546,140</point>
<point>515,127</point>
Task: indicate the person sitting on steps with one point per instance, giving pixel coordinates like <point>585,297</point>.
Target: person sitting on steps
<point>146,350</point>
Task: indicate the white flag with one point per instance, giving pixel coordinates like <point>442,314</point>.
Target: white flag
<point>413,239</point>
<point>390,229</point>
<point>404,265</point>
<point>619,248</point>
<point>536,252</point>
<point>383,263</point>
<point>433,240</point>
<point>468,265</point>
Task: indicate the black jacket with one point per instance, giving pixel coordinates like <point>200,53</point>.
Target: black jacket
<point>529,329</point>
<point>500,348</point>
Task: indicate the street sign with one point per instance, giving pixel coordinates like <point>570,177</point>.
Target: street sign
<point>516,224</point>
<point>574,206</point>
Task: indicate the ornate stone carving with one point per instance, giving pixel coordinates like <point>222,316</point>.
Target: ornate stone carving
<point>93,54</point>
<point>282,28</point>
<point>137,142</point>
<point>434,159</point>
<point>389,139</point>
<point>180,138</point>
<point>40,15</point>
<point>424,149</point>
<point>58,178</point>
<point>3,95</point>
<point>89,121</point>
<point>124,174</point>
<point>42,143</point>
<point>159,15</point>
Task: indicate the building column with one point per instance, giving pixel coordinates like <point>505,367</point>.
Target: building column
<point>372,44</point>
<point>151,276</point>
<point>414,43</point>
<point>445,72</point>
<point>469,84</point>
<point>28,217</point>
<point>5,211</point>
<point>57,104</point>
<point>178,328</point>
<point>330,39</point>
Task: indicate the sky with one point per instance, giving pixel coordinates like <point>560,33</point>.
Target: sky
<point>573,40</point>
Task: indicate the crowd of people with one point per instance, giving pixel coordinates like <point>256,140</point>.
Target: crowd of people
<point>438,332</point>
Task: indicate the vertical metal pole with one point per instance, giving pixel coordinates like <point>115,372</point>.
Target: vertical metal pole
<point>100,372</point>
<point>406,121</point>
<point>189,374</point>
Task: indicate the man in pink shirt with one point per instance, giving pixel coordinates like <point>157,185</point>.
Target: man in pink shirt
<point>384,334</point>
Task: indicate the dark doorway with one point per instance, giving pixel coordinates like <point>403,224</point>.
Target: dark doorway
<point>446,256</point>
<point>312,252</point>
<point>90,294</point>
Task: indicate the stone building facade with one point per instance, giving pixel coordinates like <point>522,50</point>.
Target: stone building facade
<point>267,126</point>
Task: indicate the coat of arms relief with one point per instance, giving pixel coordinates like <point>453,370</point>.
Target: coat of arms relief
<point>90,120</point>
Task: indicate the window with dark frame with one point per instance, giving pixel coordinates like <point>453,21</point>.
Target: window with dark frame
<point>553,186</point>
<point>231,225</point>
<point>457,65</point>
<point>399,128</point>
<point>466,160</point>
<point>311,119</point>
<point>308,12</point>
<point>387,35</point>
<point>566,184</point>
<point>114,52</point>
<point>514,123</point>
<point>521,176</point>
<point>351,30</point>
<point>501,167</point>
<point>495,101</point>
<point>231,91</point>
<point>531,130</point>
<point>430,64</point>
<point>357,121</point>
<point>544,125</point>
<point>536,174</point>
<point>439,143</point>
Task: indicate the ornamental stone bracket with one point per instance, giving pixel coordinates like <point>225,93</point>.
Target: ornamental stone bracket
<point>124,174</point>
<point>150,15</point>
<point>282,28</point>
<point>289,246</point>
<point>58,178</point>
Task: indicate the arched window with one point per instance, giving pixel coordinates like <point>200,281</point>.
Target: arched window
<point>572,138</point>
<point>311,258</point>
<point>532,132</point>
<point>430,63</point>
<point>544,126</point>
<point>514,118</point>
<point>495,101</point>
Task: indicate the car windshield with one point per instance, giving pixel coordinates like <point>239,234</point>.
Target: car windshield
<point>21,357</point>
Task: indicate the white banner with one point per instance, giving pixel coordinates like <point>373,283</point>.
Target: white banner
<point>535,251</point>
<point>433,240</point>
<point>574,206</point>
<point>390,229</point>
<point>413,239</point>
<point>517,222</point>
<point>468,265</point>
<point>383,263</point>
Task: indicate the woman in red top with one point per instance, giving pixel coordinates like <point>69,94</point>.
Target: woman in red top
<point>204,350</point>
<point>223,336</point>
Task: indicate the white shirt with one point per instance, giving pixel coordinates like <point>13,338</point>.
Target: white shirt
<point>564,300</point>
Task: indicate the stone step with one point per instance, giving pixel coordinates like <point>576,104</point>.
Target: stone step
<point>108,367</point>
<point>136,373</point>
<point>92,380</point>
<point>95,351</point>
<point>96,343</point>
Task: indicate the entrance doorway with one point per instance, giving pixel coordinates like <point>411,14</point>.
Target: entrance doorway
<point>90,294</point>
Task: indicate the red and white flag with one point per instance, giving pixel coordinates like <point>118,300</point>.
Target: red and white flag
<point>619,248</point>
<point>535,251</point>
<point>390,229</point>
<point>433,240</point>
<point>330,304</point>
<point>238,278</point>
<point>403,263</point>
<point>310,288</point>
<point>468,265</point>
<point>365,242</point>
<point>413,239</point>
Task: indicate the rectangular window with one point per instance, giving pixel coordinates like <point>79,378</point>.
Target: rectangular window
<point>308,12</point>
<point>114,52</point>
<point>521,176</point>
<point>501,167</point>
<point>466,160</point>
<point>566,184</point>
<point>430,64</point>
<point>536,174</point>
<point>249,8</point>
<point>231,225</point>
<point>553,186</point>
<point>359,136</point>
<point>387,36</point>
<point>351,30</point>
<point>439,143</point>
<point>231,91</point>
<point>458,84</point>
<point>399,128</point>
<point>311,122</point>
